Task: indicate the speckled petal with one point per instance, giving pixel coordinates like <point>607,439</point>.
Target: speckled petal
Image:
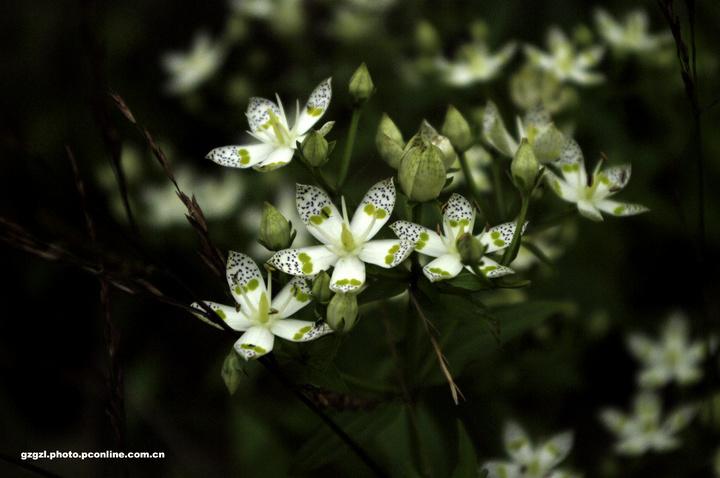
<point>426,241</point>
<point>304,261</point>
<point>386,253</point>
<point>620,208</point>
<point>375,209</point>
<point>561,188</point>
<point>444,267</point>
<point>570,154</point>
<point>316,106</point>
<point>241,156</point>
<point>349,274</point>
<point>499,237</point>
<point>278,158</point>
<point>300,330</point>
<point>294,296</point>
<point>318,212</point>
<point>244,278</point>
<point>234,318</point>
<point>258,115</point>
<point>459,216</point>
<point>254,343</point>
<point>615,179</point>
<point>491,268</point>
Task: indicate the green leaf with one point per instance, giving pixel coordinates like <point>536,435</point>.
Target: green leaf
<point>232,371</point>
<point>467,466</point>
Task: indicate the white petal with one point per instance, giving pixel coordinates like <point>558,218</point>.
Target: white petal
<point>293,297</point>
<point>517,443</point>
<point>316,106</point>
<point>385,253</point>
<point>459,216</point>
<point>279,157</point>
<point>300,330</point>
<point>244,278</point>
<point>491,268</point>
<point>234,318</point>
<point>426,241</point>
<point>349,274</point>
<point>502,469</point>
<point>241,156</point>
<point>588,210</point>
<point>444,267</point>
<point>561,188</point>
<point>620,208</point>
<point>319,214</point>
<point>374,209</point>
<point>498,237</point>
<point>254,343</point>
<point>258,116</point>
<point>304,261</point>
<point>570,154</point>
<point>613,419</point>
<point>555,450</point>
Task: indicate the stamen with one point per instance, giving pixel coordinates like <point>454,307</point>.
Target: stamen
<point>369,228</point>
<point>344,210</point>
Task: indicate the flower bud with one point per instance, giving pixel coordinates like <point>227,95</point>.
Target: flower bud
<point>342,312</point>
<point>321,288</point>
<point>274,229</point>
<point>442,142</point>
<point>421,172</point>
<point>470,249</point>
<point>457,129</point>
<point>427,39</point>
<point>548,144</point>
<point>361,86</point>
<point>389,141</point>
<point>524,167</point>
<point>314,149</point>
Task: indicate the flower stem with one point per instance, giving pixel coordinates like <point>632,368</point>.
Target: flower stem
<point>512,251</point>
<point>484,207</point>
<point>324,183</point>
<point>349,147</point>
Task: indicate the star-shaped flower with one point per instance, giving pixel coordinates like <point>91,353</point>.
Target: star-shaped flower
<point>528,461</point>
<point>458,220</point>
<point>259,316</point>
<point>645,430</point>
<point>564,62</point>
<point>345,244</point>
<point>474,63</point>
<point>190,70</point>
<point>630,36</point>
<point>673,357</point>
<point>590,191</point>
<point>269,125</point>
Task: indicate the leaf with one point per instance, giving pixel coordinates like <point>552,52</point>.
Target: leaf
<point>384,288</point>
<point>467,465</point>
<point>232,371</point>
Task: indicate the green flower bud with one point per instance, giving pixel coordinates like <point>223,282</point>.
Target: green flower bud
<point>314,149</point>
<point>342,312</point>
<point>524,167</point>
<point>442,142</point>
<point>321,288</point>
<point>470,249</point>
<point>548,144</point>
<point>389,141</point>
<point>274,229</point>
<point>422,173</point>
<point>361,86</point>
<point>457,129</point>
<point>427,38</point>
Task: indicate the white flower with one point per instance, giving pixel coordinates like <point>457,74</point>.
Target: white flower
<point>346,244</point>
<point>630,36</point>
<point>564,62</point>
<point>458,219</point>
<point>673,357</point>
<point>528,461</point>
<point>590,191</point>
<point>190,70</point>
<point>269,125</point>
<point>644,430</point>
<point>257,315</point>
<point>474,64</point>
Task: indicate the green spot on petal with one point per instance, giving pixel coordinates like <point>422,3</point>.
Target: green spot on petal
<point>355,282</point>
<point>424,236</point>
<point>495,235</point>
<point>619,210</point>
<point>307,268</point>
<point>419,245</point>
<point>317,220</point>
<point>326,211</point>
<point>438,271</point>
<point>301,296</point>
<point>394,249</point>
<point>342,282</point>
<point>313,111</point>
<point>389,259</point>
<point>301,333</point>
<point>303,257</point>
<point>453,223</point>
<point>256,348</point>
<point>499,242</point>
<point>252,285</point>
<point>381,213</point>
<point>369,209</point>
<point>221,314</point>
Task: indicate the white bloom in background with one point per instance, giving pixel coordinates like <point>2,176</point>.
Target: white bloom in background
<point>673,357</point>
<point>528,461</point>
<point>259,315</point>
<point>564,62</point>
<point>531,86</point>
<point>632,35</point>
<point>645,430</point>
<point>269,125</point>
<point>189,70</point>
<point>474,63</point>
<point>590,191</point>
<point>285,17</point>
<point>346,244</point>
<point>458,220</point>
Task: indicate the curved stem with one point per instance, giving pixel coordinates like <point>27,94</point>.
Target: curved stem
<point>349,147</point>
<point>512,251</point>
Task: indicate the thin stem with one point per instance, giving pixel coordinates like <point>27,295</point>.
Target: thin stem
<point>348,149</point>
<point>484,207</point>
<point>324,183</point>
<point>512,251</point>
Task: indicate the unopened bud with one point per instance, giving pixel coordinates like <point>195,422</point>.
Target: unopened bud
<point>321,288</point>
<point>361,86</point>
<point>389,141</point>
<point>442,142</point>
<point>427,38</point>
<point>470,249</point>
<point>548,144</point>
<point>421,172</point>
<point>457,129</point>
<point>342,312</point>
<point>274,229</point>
<point>314,149</point>
<point>524,167</point>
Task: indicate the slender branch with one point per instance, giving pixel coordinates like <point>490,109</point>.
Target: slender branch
<point>349,147</point>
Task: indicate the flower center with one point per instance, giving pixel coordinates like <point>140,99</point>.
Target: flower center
<point>279,129</point>
<point>346,237</point>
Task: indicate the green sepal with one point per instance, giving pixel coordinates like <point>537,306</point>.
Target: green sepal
<point>232,371</point>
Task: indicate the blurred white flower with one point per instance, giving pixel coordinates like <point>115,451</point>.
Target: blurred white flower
<point>564,62</point>
<point>285,17</point>
<point>632,35</point>
<point>673,357</point>
<point>189,70</point>
<point>474,63</point>
<point>527,461</point>
<point>645,430</point>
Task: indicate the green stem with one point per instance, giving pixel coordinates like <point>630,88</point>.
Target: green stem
<point>497,184</point>
<point>484,207</point>
<point>348,149</point>
<point>512,251</point>
<point>324,183</point>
